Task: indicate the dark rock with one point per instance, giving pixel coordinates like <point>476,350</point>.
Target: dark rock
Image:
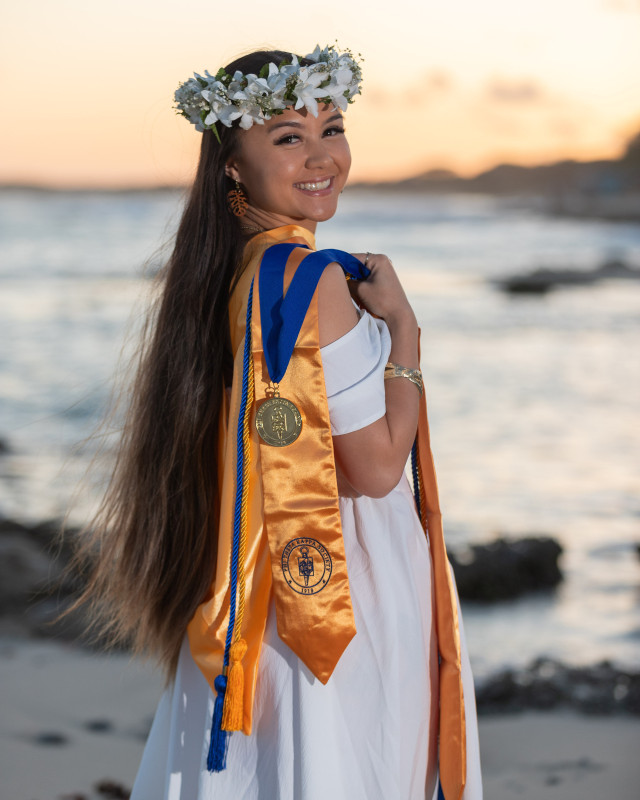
<point>25,571</point>
<point>11,526</point>
<point>534,283</point>
<point>5,449</point>
<point>48,531</point>
<point>36,586</point>
<point>98,726</point>
<point>50,738</point>
<point>505,569</point>
<point>46,534</point>
<point>499,694</point>
<point>43,619</point>
<point>601,689</point>
<point>112,790</point>
<point>33,569</point>
<point>540,281</point>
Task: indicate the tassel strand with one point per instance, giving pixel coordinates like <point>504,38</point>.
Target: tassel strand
<point>219,742</point>
<point>233,714</point>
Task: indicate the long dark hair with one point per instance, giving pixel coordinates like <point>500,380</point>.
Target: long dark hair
<point>150,552</point>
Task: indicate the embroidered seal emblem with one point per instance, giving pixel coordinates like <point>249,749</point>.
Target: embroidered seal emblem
<point>278,421</point>
<point>306,565</point>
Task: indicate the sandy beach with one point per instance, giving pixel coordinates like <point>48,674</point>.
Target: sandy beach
<point>72,719</point>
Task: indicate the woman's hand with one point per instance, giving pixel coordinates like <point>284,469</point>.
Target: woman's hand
<point>373,458</point>
<point>381,293</point>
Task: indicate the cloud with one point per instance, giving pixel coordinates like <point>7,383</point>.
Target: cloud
<point>378,96</point>
<point>519,91</point>
<point>431,85</point>
<point>622,5</point>
<point>439,80</point>
<point>564,127</point>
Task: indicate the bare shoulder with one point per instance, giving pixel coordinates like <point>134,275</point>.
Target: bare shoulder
<point>336,312</point>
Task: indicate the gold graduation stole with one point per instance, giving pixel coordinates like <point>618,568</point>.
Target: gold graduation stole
<point>300,505</point>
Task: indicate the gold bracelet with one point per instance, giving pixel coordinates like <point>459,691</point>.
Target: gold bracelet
<point>396,371</point>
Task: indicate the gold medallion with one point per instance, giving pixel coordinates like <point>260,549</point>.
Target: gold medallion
<point>278,421</point>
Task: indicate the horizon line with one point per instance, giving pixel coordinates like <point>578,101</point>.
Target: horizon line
<point>44,186</point>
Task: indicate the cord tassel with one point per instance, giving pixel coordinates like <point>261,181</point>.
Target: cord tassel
<point>233,715</point>
<point>219,742</point>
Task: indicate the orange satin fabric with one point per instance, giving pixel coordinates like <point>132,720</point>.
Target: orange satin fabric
<point>453,741</point>
<point>300,501</point>
<point>296,500</point>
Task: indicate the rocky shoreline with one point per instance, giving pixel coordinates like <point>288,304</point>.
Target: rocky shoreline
<point>547,684</point>
<point>542,280</point>
<point>506,568</point>
<point>35,587</point>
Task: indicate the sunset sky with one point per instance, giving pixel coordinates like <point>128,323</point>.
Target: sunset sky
<point>87,88</point>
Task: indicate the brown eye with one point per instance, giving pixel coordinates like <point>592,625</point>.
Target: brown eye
<point>290,138</point>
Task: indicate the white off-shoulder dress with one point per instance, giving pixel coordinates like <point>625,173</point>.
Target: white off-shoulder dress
<point>370,733</point>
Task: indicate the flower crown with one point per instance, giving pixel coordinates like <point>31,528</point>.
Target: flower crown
<point>333,77</point>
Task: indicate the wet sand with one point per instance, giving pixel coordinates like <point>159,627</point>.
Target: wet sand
<point>71,719</point>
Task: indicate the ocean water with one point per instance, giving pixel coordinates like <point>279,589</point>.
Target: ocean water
<point>533,401</point>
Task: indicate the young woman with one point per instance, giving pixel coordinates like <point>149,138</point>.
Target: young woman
<point>260,537</point>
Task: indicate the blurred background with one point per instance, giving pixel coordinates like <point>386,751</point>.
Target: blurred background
<point>496,157</point>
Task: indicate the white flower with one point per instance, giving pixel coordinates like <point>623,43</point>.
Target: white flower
<point>339,88</point>
<point>315,56</point>
<point>237,79</point>
<point>306,90</point>
<point>277,83</point>
<point>291,69</point>
<point>249,113</point>
<point>257,87</point>
<point>248,99</point>
<point>226,114</point>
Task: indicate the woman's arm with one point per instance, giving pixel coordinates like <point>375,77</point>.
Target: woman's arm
<point>373,458</point>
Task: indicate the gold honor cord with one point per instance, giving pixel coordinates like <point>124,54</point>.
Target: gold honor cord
<point>233,713</point>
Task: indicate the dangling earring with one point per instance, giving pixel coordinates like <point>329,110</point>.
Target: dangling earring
<point>237,201</point>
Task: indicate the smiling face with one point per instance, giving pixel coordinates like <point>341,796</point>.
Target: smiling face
<point>292,168</point>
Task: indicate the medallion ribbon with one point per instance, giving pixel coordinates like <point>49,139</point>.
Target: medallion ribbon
<point>282,314</point>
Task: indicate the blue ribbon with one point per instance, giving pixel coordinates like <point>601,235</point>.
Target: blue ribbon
<point>282,315</point>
